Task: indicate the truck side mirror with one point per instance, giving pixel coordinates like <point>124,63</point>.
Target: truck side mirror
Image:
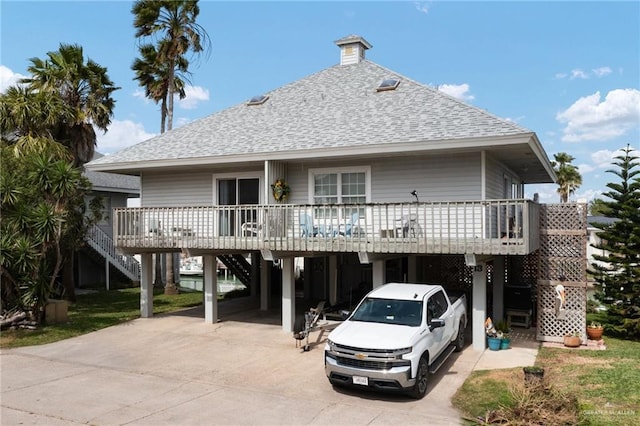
<point>436,323</point>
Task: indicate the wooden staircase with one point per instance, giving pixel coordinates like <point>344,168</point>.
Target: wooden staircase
<point>99,241</point>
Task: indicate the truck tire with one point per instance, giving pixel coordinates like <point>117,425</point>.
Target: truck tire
<point>419,390</point>
<point>460,337</point>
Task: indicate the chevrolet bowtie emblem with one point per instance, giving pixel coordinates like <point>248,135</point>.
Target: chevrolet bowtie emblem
<point>361,356</point>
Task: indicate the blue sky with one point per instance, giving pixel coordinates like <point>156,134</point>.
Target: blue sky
<point>570,71</point>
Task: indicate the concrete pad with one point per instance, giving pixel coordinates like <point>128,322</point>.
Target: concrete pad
<point>176,369</point>
<point>507,358</point>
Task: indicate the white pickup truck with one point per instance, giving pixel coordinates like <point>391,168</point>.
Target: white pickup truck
<point>397,335</point>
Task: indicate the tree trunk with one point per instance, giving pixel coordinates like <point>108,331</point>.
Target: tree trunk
<point>68,280</point>
<point>170,287</point>
<point>158,281</point>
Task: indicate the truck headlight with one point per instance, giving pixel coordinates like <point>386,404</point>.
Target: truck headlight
<point>331,345</point>
<point>403,351</point>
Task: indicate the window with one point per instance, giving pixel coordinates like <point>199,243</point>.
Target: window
<point>258,100</point>
<point>236,192</point>
<point>389,84</point>
<point>332,186</point>
<point>339,187</point>
<point>437,305</point>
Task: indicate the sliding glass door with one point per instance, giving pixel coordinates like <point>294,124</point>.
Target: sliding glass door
<point>236,192</point>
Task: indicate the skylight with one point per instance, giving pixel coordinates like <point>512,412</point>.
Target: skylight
<point>388,84</point>
<point>258,100</point>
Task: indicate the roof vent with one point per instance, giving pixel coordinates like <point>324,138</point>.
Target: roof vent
<point>258,100</point>
<point>388,84</point>
<point>352,49</point>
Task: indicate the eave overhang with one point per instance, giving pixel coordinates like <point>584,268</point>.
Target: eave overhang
<point>523,153</point>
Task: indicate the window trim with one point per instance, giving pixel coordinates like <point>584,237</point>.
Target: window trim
<point>339,171</point>
<point>236,176</point>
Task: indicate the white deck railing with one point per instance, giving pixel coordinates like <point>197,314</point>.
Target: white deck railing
<point>103,244</point>
<point>480,227</point>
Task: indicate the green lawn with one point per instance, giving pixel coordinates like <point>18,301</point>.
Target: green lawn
<point>605,383</point>
<point>98,310</point>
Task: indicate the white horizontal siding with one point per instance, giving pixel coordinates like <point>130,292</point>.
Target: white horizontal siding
<point>435,178</point>
<point>176,189</point>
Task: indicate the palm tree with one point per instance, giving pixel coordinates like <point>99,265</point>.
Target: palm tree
<point>85,90</point>
<point>153,76</point>
<point>83,87</point>
<point>172,23</point>
<point>569,178</point>
<point>42,203</point>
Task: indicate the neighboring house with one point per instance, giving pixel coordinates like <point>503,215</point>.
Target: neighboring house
<point>594,239</point>
<point>99,261</point>
<point>389,180</point>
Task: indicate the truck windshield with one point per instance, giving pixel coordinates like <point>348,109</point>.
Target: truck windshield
<point>389,311</point>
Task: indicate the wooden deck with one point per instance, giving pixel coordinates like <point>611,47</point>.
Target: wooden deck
<point>486,227</point>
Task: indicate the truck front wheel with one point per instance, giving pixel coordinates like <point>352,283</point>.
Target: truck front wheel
<point>422,377</point>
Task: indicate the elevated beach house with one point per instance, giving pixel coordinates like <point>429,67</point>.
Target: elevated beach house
<point>368,175</point>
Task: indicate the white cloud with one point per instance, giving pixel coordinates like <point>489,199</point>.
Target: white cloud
<point>588,194</point>
<point>603,158</point>
<point>516,119</point>
<point>546,193</point>
<point>589,118</point>
<point>421,7</point>
<point>602,71</point>
<point>139,93</point>
<point>8,78</point>
<point>194,94</point>
<point>121,134</point>
<point>578,73</point>
<point>584,75</point>
<point>585,168</point>
<point>459,91</point>
<point>181,121</point>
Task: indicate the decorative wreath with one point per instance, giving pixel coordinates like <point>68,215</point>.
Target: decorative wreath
<point>280,190</point>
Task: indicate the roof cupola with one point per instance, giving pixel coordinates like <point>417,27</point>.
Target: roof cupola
<point>352,49</point>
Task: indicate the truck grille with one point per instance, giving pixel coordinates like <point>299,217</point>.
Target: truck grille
<point>364,364</point>
<point>378,352</point>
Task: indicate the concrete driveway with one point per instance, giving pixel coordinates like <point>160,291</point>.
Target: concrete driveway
<point>176,370</point>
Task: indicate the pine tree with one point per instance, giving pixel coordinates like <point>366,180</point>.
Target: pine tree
<point>616,269</point>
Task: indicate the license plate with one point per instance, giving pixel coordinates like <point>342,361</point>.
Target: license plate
<point>358,380</point>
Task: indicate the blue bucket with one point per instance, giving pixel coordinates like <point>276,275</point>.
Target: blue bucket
<point>494,343</point>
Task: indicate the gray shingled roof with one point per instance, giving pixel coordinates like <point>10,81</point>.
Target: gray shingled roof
<point>112,182</point>
<point>335,108</point>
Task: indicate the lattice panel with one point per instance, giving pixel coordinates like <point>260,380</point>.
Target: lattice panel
<point>463,279</point>
<point>530,269</point>
<point>567,216</point>
<point>562,269</point>
<point>562,259</point>
<point>550,328</point>
<point>563,245</point>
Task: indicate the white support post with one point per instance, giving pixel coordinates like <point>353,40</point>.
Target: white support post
<point>210,288</point>
<point>146,285</point>
<point>378,270</point>
<point>333,279</point>
<point>288,295</point>
<point>498,287</point>
<point>265,288</point>
<point>479,313</point>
